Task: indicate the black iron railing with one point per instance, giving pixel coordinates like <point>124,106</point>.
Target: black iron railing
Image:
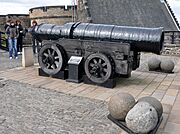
<point>3,41</point>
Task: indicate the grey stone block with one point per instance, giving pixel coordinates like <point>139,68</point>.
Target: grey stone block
<point>155,103</point>
<point>27,57</point>
<point>167,66</point>
<point>154,64</point>
<point>120,104</point>
<point>142,118</point>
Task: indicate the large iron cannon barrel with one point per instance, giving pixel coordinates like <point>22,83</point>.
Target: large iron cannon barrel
<point>140,39</point>
<point>47,32</point>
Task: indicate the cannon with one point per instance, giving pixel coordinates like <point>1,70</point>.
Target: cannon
<point>108,51</point>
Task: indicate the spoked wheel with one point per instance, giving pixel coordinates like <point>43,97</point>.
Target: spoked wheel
<point>98,68</point>
<point>51,58</point>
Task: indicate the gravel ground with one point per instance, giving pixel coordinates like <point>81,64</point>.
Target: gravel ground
<point>28,110</point>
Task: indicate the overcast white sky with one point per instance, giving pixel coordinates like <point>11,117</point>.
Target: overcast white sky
<point>23,6</point>
<point>175,4</point>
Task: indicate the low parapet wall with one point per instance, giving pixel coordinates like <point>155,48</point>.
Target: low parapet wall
<point>172,43</point>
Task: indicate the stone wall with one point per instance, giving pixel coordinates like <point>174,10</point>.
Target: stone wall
<point>171,49</point>
<point>172,43</point>
<point>53,14</point>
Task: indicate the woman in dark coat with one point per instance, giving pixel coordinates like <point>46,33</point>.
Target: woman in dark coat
<point>36,46</point>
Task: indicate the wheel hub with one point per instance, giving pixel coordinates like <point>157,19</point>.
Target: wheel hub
<point>97,69</point>
<point>50,59</point>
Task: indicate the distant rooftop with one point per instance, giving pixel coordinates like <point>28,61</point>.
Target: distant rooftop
<point>143,13</point>
<point>60,6</point>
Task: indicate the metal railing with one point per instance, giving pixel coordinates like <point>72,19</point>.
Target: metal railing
<point>3,41</point>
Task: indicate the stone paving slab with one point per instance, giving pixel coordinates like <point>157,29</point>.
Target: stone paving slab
<point>172,128</point>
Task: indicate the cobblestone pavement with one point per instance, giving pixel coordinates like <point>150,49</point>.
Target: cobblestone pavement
<point>6,63</point>
<point>28,110</point>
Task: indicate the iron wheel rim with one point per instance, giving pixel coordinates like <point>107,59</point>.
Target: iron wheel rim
<point>50,59</point>
<point>98,68</point>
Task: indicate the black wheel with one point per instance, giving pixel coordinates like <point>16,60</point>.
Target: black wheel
<point>98,68</point>
<point>51,58</point>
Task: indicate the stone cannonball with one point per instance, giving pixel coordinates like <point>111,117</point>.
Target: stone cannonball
<point>154,64</point>
<point>120,104</point>
<point>155,103</point>
<point>167,66</point>
<point>142,118</point>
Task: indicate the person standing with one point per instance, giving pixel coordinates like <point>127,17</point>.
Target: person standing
<point>20,37</point>
<point>5,27</point>
<point>36,46</point>
<point>12,34</point>
<point>7,24</point>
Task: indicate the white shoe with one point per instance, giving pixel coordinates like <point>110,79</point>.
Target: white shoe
<point>16,58</point>
<point>10,58</point>
<point>19,53</point>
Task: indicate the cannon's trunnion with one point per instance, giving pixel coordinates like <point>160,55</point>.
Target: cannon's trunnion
<point>98,52</point>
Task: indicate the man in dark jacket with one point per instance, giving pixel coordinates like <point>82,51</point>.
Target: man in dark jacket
<point>12,34</point>
<point>20,37</point>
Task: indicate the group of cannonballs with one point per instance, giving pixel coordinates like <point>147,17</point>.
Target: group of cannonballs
<point>164,65</point>
<point>140,117</point>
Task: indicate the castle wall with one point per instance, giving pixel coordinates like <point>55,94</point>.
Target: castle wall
<point>52,14</point>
